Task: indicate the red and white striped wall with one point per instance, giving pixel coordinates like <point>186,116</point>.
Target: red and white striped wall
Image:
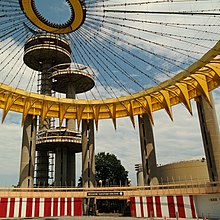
<point>163,206</point>
<point>40,207</point>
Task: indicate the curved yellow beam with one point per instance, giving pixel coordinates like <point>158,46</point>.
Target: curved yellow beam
<point>200,78</point>
<point>76,20</point>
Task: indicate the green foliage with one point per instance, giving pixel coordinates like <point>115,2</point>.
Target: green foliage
<point>110,170</point>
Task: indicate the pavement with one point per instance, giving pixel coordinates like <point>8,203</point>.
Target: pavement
<point>105,218</point>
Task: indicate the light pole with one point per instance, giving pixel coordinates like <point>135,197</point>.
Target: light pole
<point>129,182</point>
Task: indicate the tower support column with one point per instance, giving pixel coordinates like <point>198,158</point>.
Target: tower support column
<point>210,135</point>
<point>61,166</point>
<point>147,149</point>
<point>71,94</point>
<point>71,169</point>
<point>92,153</point>
<point>71,156</point>
<point>42,155</point>
<point>88,154</point>
<point>28,152</point>
<point>42,168</point>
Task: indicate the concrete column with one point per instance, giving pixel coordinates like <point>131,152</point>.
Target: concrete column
<point>71,93</point>
<point>88,154</point>
<point>58,165</point>
<point>140,178</point>
<point>26,178</point>
<point>64,167</point>
<point>43,157</point>
<point>61,166</point>
<point>211,137</point>
<point>92,153</point>
<point>46,83</point>
<point>147,150</point>
<point>85,158</point>
<point>71,157</point>
<point>71,169</point>
<point>139,174</point>
<point>42,168</point>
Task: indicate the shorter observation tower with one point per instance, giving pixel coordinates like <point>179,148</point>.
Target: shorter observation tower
<point>52,146</point>
<point>69,79</point>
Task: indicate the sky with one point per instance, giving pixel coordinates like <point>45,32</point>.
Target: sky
<point>174,141</point>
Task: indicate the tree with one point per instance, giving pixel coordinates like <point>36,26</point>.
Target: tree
<point>110,170</point>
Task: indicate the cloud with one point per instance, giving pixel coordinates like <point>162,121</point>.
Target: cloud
<point>168,42</point>
<point>56,11</point>
<point>10,145</point>
<point>123,142</point>
<point>13,70</point>
<point>178,140</point>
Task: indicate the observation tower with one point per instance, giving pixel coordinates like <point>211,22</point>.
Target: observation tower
<point>54,146</point>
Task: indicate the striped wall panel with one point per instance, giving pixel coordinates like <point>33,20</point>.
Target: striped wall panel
<point>40,207</point>
<point>163,206</point>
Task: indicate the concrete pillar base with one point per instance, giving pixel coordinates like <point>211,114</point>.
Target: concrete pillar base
<point>71,169</point>
<point>42,168</point>
<point>26,178</point>
<point>147,149</point>
<point>210,134</point>
<point>88,154</point>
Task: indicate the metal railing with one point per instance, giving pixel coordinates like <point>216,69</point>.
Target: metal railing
<point>54,135</point>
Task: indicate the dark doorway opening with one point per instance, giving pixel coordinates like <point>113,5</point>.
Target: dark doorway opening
<point>112,207</point>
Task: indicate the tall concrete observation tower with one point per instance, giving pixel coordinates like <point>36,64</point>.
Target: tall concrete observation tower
<point>55,147</point>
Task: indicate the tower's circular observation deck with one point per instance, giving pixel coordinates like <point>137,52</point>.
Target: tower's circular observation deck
<point>49,139</point>
<point>76,74</point>
<point>43,48</point>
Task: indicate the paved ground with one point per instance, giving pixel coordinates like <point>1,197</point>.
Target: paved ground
<point>94,218</point>
<point>104,218</point>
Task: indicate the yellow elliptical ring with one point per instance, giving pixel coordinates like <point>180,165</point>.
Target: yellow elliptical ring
<point>77,17</point>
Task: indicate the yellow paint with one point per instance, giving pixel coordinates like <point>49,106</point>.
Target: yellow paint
<point>79,113</point>
<point>76,22</point>
<point>202,85</point>
<point>166,102</point>
<point>184,96</point>
<point>62,111</point>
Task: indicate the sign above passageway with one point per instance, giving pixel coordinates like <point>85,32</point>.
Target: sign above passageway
<point>105,193</point>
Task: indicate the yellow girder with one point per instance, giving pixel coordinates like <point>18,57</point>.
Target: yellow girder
<point>33,16</point>
<point>200,78</point>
